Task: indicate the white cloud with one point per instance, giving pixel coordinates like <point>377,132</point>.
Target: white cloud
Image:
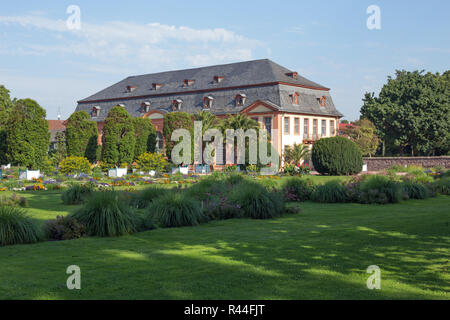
<point>133,43</point>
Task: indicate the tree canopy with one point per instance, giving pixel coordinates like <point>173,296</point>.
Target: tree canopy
<point>363,133</point>
<point>5,106</point>
<point>119,139</point>
<point>412,113</point>
<point>28,137</point>
<point>145,134</point>
<point>82,136</point>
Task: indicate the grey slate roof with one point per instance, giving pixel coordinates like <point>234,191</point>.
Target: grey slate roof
<point>258,80</point>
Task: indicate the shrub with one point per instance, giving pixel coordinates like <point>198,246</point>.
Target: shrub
<point>105,214</point>
<point>380,189</point>
<point>146,196</point>
<point>336,156</point>
<point>13,201</point>
<point>256,202</point>
<point>64,228</point>
<point>297,189</point>
<point>16,227</point>
<point>176,210</point>
<point>442,186</point>
<point>415,190</point>
<point>76,194</point>
<point>151,161</point>
<point>75,165</point>
<point>330,192</point>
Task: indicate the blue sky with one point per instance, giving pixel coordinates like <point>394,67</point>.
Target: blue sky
<point>327,42</point>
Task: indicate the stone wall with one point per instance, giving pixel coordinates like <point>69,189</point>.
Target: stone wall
<point>378,163</point>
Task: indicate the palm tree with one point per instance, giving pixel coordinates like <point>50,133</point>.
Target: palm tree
<point>238,121</point>
<point>208,120</point>
<point>295,153</point>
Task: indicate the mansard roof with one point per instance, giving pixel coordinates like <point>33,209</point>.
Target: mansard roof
<point>259,80</point>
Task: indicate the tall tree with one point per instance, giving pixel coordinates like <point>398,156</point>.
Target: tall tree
<point>412,113</point>
<point>60,151</point>
<point>363,133</point>
<point>145,134</point>
<point>5,106</point>
<point>82,136</point>
<point>173,121</point>
<point>119,138</point>
<point>28,138</point>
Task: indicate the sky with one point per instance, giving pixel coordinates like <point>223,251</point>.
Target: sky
<point>44,58</point>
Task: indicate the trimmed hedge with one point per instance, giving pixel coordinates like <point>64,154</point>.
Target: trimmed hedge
<point>337,156</point>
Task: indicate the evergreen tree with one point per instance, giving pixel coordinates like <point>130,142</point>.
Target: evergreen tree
<point>145,134</point>
<point>82,136</point>
<point>5,106</point>
<point>119,139</point>
<point>173,121</point>
<point>28,137</point>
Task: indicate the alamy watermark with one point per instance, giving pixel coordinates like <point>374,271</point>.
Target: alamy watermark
<point>374,20</point>
<point>73,22</point>
<point>239,147</point>
<point>374,280</point>
<point>73,281</point>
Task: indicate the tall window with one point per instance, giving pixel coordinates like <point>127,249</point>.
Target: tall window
<point>297,126</point>
<point>332,131</point>
<point>286,125</point>
<point>315,128</point>
<point>324,127</point>
<point>306,129</point>
<point>268,125</point>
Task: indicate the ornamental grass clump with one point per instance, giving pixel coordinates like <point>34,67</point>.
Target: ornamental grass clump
<point>76,194</point>
<point>176,209</point>
<point>256,201</point>
<point>442,186</point>
<point>415,190</point>
<point>380,189</point>
<point>16,227</point>
<point>330,192</point>
<point>297,189</point>
<point>143,199</point>
<point>106,214</point>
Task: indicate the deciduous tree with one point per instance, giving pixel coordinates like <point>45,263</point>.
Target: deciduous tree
<point>82,136</point>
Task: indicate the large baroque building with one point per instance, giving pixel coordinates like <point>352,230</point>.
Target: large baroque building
<point>282,101</point>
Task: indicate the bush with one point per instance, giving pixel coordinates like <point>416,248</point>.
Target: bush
<point>64,228</point>
<point>75,165</point>
<point>76,194</point>
<point>330,192</point>
<point>415,190</point>
<point>16,227</point>
<point>256,202</point>
<point>442,186</point>
<point>297,189</point>
<point>13,201</point>
<point>336,156</point>
<point>146,196</point>
<point>105,214</point>
<point>380,189</point>
<point>176,210</point>
<point>151,161</point>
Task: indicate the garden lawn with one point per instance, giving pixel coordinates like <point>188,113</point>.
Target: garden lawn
<point>321,253</point>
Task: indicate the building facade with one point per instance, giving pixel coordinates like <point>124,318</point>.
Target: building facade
<point>283,102</point>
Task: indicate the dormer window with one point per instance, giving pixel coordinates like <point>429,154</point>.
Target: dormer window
<point>218,79</point>
<point>156,86</point>
<point>121,105</point>
<point>240,99</point>
<point>145,107</point>
<point>131,89</point>
<point>294,96</point>
<point>292,75</point>
<point>95,111</point>
<point>207,102</point>
<point>188,83</point>
<point>322,101</point>
<point>176,104</point>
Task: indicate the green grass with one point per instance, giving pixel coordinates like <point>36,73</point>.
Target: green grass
<point>321,253</point>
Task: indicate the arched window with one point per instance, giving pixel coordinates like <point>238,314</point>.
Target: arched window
<point>176,104</point>
<point>145,107</point>
<point>240,99</point>
<point>207,102</point>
